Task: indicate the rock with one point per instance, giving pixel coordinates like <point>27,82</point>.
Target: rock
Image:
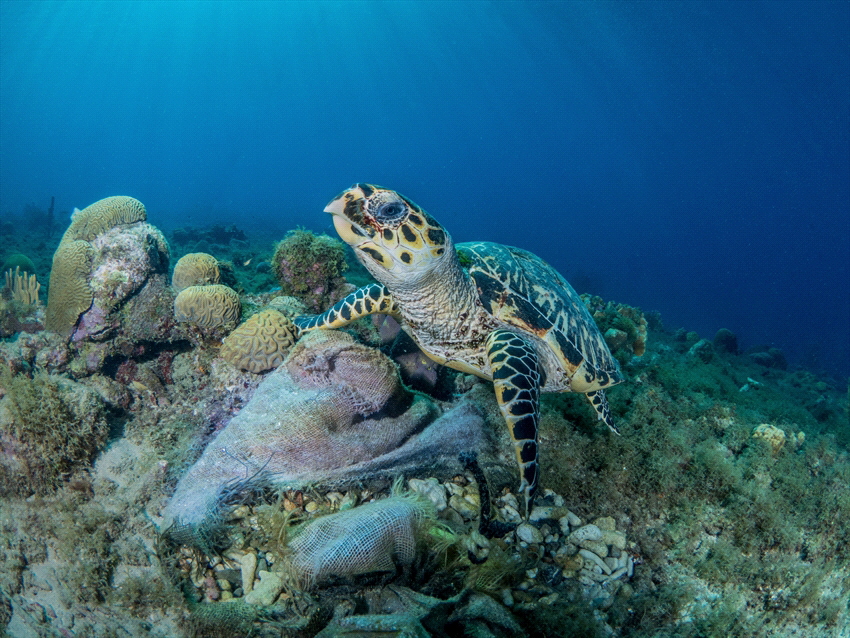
<point>267,590</point>
<point>430,489</point>
<point>249,569</point>
<point>527,533</point>
<point>726,341</point>
<point>588,532</point>
<point>702,350</point>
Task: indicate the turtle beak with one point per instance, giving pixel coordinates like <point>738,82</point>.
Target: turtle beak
<point>345,209</point>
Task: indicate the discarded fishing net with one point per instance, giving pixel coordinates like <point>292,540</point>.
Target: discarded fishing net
<point>335,411</point>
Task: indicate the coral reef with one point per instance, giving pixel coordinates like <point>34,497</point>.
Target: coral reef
<point>310,268</point>
<point>195,269</point>
<point>211,306</point>
<point>261,342</point>
<point>624,328</point>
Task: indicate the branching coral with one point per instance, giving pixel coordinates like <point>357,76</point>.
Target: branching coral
<point>22,287</point>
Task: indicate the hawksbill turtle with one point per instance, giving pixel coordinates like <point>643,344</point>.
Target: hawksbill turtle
<point>494,311</point>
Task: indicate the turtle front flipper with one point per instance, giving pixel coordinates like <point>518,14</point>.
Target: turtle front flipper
<point>367,300</point>
<point>517,379</point>
<point>599,402</point>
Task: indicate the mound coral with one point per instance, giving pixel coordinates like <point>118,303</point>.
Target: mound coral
<point>18,260</point>
<point>109,262</point>
<point>208,306</point>
<point>69,294</point>
<point>310,267</point>
<point>103,215</point>
<point>261,343</point>
<point>195,269</point>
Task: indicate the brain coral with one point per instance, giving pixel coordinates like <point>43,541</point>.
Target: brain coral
<point>208,306</point>
<point>70,294</point>
<point>195,269</point>
<point>103,215</point>
<point>261,343</point>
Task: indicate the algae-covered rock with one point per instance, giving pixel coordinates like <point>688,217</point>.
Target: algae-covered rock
<point>49,427</point>
<point>310,267</point>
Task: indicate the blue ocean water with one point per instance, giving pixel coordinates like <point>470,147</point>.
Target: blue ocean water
<point>686,157</point>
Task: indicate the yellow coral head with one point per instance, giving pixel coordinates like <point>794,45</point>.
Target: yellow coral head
<point>391,235</point>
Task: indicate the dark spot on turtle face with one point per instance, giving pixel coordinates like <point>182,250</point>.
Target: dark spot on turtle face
<point>366,188</point>
<point>416,220</point>
<point>525,428</point>
<point>440,251</point>
<point>407,233</point>
<point>410,203</point>
<point>374,254</point>
<point>406,257</point>
<point>388,234</point>
<point>352,210</point>
<point>436,236</point>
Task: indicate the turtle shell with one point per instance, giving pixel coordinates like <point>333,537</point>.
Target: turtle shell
<point>522,290</point>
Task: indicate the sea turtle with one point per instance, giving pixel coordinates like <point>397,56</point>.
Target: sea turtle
<point>494,311</point>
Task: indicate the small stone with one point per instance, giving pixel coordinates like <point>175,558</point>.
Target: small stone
<point>606,523</point>
<point>311,507</point>
<point>454,489</point>
<point>548,600</point>
<point>226,595</point>
<point>588,532</point>
<point>575,521</point>
<point>527,533</point>
<point>463,507</point>
<point>507,597</point>
<point>223,584</point>
<point>617,539</point>
<point>531,574</point>
<point>348,501</point>
<point>597,547</point>
<point>431,490</point>
<point>569,564</point>
<point>564,523</point>
<point>249,569</point>
<point>267,590</point>
<point>509,500</point>
<point>510,514</point>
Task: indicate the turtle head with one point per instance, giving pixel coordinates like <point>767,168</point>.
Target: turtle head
<point>391,236</point>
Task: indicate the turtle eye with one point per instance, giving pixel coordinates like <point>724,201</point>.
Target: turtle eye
<point>390,212</point>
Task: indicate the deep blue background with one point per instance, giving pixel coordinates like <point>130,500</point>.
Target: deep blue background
<point>686,157</point>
